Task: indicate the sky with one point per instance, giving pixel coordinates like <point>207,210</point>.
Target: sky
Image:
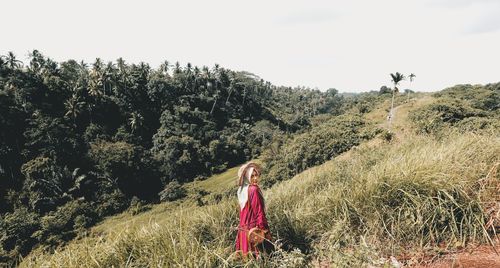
<point>352,46</point>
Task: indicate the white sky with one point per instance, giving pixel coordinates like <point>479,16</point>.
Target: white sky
<point>348,45</point>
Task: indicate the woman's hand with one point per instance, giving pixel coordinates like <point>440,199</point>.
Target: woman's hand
<point>267,234</point>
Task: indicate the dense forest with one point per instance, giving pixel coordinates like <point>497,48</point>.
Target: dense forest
<point>82,141</point>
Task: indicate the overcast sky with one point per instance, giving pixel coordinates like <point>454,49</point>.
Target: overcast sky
<point>348,45</point>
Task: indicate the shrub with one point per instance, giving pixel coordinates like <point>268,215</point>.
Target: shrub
<point>464,107</point>
<point>477,124</point>
<point>16,231</point>
<point>315,147</point>
<point>130,165</point>
<point>110,203</point>
<point>94,133</point>
<point>435,117</point>
<point>486,98</point>
<point>180,157</point>
<point>387,135</point>
<point>172,192</point>
<point>137,206</point>
<point>59,226</point>
<point>44,183</point>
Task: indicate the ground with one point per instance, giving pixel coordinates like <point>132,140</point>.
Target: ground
<point>482,256</point>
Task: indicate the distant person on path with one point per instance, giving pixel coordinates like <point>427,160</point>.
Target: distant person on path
<point>253,230</point>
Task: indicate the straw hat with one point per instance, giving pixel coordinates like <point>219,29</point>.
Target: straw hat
<point>243,170</point>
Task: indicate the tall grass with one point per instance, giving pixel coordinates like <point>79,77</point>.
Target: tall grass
<point>416,194</point>
<point>347,212</point>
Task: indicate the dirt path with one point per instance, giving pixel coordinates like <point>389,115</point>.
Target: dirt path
<point>483,256</point>
<point>400,124</point>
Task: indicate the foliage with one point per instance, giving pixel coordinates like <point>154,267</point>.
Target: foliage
<point>172,192</point>
<point>126,165</point>
<point>43,186</point>
<point>387,135</point>
<point>314,147</point>
<point>396,78</point>
<point>63,224</point>
<point>137,206</point>
<point>10,139</point>
<point>464,107</point>
<point>16,229</point>
<point>110,202</point>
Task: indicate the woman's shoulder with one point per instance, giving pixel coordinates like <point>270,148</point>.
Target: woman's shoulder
<point>253,188</point>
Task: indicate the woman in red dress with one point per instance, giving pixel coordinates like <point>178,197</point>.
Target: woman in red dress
<point>252,210</point>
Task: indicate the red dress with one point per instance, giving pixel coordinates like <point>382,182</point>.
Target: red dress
<point>251,215</point>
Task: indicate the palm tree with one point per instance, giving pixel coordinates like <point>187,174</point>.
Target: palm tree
<point>215,97</point>
<point>396,78</point>
<point>231,88</point>
<point>411,76</point>
<point>83,69</point>
<point>95,87</point>
<point>215,94</point>
<point>109,76</point>
<point>12,62</point>
<point>206,81</point>
<point>96,84</point>
<point>135,121</point>
<point>177,68</point>
<point>164,67</point>
<point>120,63</point>
<point>197,77</point>
<point>2,62</point>
<point>37,62</point>
<point>74,107</point>
<point>121,74</point>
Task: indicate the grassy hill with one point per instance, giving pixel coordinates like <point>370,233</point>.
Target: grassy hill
<point>386,197</point>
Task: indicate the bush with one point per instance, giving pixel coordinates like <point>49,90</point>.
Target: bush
<point>180,157</point>
<point>130,165</point>
<point>387,135</point>
<point>110,203</point>
<point>59,226</point>
<point>137,206</point>
<point>315,147</point>
<point>486,98</point>
<point>172,192</point>
<point>16,231</point>
<point>478,124</point>
<point>463,107</point>
<point>94,133</point>
<point>43,186</point>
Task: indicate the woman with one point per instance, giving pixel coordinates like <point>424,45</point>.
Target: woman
<point>252,212</point>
